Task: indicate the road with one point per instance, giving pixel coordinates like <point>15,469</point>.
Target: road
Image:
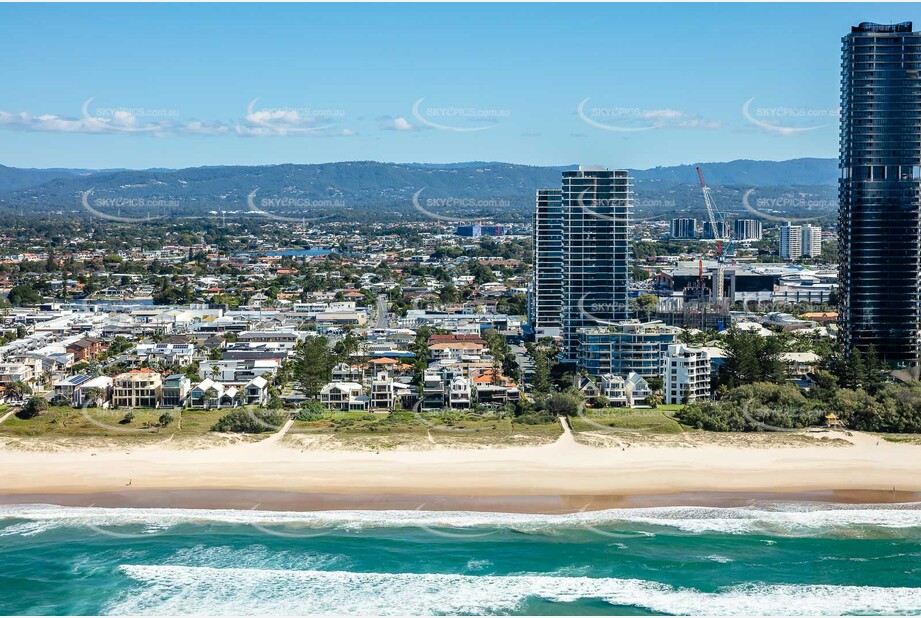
<point>525,363</point>
<point>383,313</point>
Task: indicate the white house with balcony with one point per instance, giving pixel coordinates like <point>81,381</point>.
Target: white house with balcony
<point>387,392</point>
<point>344,396</point>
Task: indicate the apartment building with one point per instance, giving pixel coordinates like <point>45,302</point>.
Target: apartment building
<point>683,228</point>
<point>627,346</point>
<point>687,374</point>
<point>545,304</point>
<point>596,204</point>
<point>139,388</point>
<point>798,241</point>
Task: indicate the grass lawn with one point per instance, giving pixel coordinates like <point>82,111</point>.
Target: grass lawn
<point>439,424</point>
<point>648,420</point>
<point>65,421</point>
<point>398,428</point>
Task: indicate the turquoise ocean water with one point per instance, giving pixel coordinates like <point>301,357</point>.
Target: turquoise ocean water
<point>795,559</point>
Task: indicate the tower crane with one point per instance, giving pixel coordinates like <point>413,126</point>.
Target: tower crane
<point>722,236</point>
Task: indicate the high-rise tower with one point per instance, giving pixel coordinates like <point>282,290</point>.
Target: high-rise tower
<point>596,204</point>
<point>546,304</point>
<point>879,191</point>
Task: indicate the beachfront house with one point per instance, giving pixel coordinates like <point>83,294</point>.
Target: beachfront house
<point>210,394</point>
<point>176,390</point>
<point>256,392</point>
<point>344,396</point>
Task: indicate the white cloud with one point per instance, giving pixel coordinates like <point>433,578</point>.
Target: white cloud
<point>255,123</point>
<point>401,124</point>
<point>680,119</point>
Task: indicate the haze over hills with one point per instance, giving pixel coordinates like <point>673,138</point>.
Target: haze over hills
<point>500,190</point>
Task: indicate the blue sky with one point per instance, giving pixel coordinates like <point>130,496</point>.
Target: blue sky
<point>137,86</point>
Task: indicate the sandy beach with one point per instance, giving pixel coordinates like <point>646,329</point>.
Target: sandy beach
<point>280,470</point>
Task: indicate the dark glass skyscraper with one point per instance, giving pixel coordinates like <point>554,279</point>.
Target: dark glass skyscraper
<point>596,205</point>
<point>880,192</point>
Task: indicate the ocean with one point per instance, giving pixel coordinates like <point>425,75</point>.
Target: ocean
<point>767,558</point>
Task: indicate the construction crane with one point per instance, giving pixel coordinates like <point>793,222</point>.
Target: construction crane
<point>722,236</point>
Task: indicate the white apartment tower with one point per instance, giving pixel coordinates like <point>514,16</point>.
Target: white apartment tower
<point>791,241</point>
<point>798,241</point>
<point>546,299</point>
<point>812,240</point>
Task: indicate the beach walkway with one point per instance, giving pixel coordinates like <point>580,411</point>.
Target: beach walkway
<point>277,436</point>
<point>566,437</point>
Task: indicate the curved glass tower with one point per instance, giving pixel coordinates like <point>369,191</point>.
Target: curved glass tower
<point>879,191</point>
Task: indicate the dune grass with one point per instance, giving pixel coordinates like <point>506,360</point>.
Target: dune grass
<point>653,421</point>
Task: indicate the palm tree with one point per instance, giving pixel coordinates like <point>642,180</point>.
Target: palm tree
<point>17,389</point>
<point>94,395</point>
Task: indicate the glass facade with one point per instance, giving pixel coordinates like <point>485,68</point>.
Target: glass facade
<point>596,207</point>
<point>629,346</point>
<point>880,191</point>
<point>547,286</point>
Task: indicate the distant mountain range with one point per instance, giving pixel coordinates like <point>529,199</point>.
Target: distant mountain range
<point>362,188</point>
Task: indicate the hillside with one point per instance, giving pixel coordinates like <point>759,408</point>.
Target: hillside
<point>500,190</point>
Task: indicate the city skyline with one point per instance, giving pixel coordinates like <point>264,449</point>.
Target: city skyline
<point>431,84</point>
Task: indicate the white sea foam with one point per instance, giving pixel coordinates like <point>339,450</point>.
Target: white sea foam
<point>770,519</point>
<point>161,590</point>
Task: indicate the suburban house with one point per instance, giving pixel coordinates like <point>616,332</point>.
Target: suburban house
<point>630,391</point>
<point>344,372</point>
<point>344,396</point>
<point>77,389</point>
<point>387,392</point>
<point>456,350</point>
<point>256,392</point>
<point>86,348</point>
<point>16,372</point>
<point>181,354</point>
<point>176,390</point>
<point>209,394</point>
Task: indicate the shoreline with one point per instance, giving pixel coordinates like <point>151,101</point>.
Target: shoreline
<point>563,475</point>
<point>257,500</point>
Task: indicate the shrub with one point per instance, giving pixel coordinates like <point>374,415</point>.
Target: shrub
<point>126,420</point>
<point>712,416</point>
<point>536,418</point>
<point>562,404</point>
<point>33,407</point>
<point>249,421</point>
